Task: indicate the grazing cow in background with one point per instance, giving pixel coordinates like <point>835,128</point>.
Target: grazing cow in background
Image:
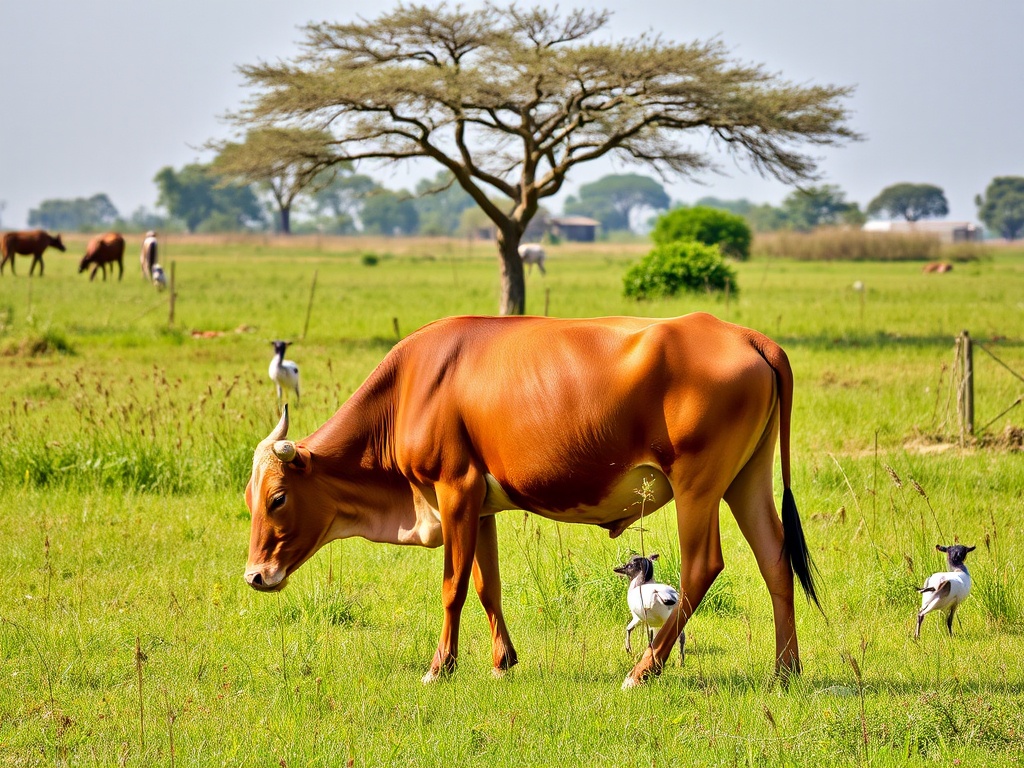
<point>28,244</point>
<point>568,419</point>
<point>148,256</point>
<point>938,267</point>
<point>532,253</point>
<point>103,250</point>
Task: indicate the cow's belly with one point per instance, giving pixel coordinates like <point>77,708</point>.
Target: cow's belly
<point>641,490</point>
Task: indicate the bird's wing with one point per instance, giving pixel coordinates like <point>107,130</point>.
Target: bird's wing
<point>665,595</point>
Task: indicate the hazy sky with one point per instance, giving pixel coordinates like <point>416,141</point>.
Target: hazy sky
<point>101,94</point>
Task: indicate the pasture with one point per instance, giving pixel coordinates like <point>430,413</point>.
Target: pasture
<point>128,637</point>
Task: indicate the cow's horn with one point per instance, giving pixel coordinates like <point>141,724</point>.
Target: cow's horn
<point>285,450</point>
<point>281,430</point>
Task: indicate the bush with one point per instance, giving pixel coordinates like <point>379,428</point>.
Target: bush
<point>711,226</point>
<point>679,266</point>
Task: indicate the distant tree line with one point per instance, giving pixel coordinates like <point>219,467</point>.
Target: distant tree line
<point>216,197</point>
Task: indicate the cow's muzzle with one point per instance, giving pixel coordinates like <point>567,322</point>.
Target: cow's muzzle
<point>266,583</point>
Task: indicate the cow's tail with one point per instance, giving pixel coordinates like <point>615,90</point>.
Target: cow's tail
<point>794,543</point>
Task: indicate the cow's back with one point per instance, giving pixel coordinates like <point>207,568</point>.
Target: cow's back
<point>543,402</point>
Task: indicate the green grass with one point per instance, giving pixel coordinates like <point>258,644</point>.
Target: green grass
<point>125,446</point>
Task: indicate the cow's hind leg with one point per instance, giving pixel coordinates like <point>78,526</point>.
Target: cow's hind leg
<point>487,580</point>
<point>700,549</point>
<point>752,503</point>
<point>459,503</point>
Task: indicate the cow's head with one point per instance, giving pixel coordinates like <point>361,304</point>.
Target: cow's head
<point>57,243</point>
<point>84,263</point>
<point>288,525</point>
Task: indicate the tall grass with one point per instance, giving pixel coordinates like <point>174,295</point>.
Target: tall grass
<point>121,518</point>
<point>841,244</point>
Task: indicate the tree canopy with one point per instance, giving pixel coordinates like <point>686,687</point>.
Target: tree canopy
<point>812,207</point>
<point>1002,207</point>
<point>510,99</point>
<point>613,199</point>
<point>82,214</point>
<point>910,201</point>
<point>287,162</point>
<point>193,196</point>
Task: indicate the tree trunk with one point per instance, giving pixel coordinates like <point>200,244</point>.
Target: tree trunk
<point>513,283</point>
<point>286,223</point>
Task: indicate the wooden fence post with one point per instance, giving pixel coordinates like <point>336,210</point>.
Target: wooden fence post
<point>965,355</point>
<point>173,296</point>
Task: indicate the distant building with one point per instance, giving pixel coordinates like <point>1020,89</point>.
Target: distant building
<point>946,231</point>
<point>576,229</point>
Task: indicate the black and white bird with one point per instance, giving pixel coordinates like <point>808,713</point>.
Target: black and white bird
<point>284,373</point>
<point>650,602</point>
<point>944,591</point>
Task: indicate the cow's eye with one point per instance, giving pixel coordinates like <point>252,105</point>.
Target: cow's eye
<point>276,502</point>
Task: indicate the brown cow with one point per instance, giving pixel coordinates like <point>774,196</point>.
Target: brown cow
<point>568,419</point>
<point>103,250</point>
<point>937,266</point>
<point>28,244</point>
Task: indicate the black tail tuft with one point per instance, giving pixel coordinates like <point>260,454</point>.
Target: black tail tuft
<point>796,547</point>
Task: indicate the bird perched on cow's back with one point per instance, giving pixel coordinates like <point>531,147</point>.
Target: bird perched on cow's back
<point>284,373</point>
<point>650,602</point>
<point>944,591</point>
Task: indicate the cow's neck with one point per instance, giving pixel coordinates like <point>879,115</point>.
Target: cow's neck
<point>353,457</point>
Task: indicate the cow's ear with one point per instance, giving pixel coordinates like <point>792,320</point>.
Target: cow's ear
<point>292,454</point>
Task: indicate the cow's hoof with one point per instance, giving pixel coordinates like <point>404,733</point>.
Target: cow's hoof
<point>430,677</point>
<point>629,683</point>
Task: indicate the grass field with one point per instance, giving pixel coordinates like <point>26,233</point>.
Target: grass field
<point>128,637</point>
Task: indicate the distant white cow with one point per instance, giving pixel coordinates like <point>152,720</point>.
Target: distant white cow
<point>532,253</point>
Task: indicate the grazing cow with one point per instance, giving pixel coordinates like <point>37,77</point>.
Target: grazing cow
<point>568,419</point>
<point>532,253</point>
<point>28,244</point>
<point>103,250</point>
<point>938,267</point>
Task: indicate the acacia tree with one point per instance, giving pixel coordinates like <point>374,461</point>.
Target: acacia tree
<point>509,100</point>
<point>911,201</point>
<point>286,161</point>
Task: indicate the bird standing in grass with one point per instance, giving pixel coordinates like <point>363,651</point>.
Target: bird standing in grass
<point>650,602</point>
<point>284,373</point>
<point>944,591</point>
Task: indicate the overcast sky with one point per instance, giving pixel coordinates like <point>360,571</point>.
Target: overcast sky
<point>101,94</point>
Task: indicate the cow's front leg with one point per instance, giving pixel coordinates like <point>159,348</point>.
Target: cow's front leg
<point>459,503</point>
<point>487,580</point>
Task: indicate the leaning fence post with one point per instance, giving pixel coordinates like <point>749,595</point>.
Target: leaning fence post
<point>965,355</point>
<point>174,294</point>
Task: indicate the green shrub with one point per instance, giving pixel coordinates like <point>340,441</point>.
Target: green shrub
<point>369,259</point>
<point>679,266</point>
<point>711,226</point>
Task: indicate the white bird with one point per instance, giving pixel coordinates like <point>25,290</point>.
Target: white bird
<point>159,278</point>
<point>284,373</point>
<point>944,591</point>
<point>650,602</point>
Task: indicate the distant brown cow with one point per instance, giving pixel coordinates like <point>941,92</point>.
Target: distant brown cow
<point>32,244</point>
<point>938,266</point>
<point>103,250</point>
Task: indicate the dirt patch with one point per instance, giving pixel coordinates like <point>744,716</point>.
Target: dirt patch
<point>1010,440</point>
